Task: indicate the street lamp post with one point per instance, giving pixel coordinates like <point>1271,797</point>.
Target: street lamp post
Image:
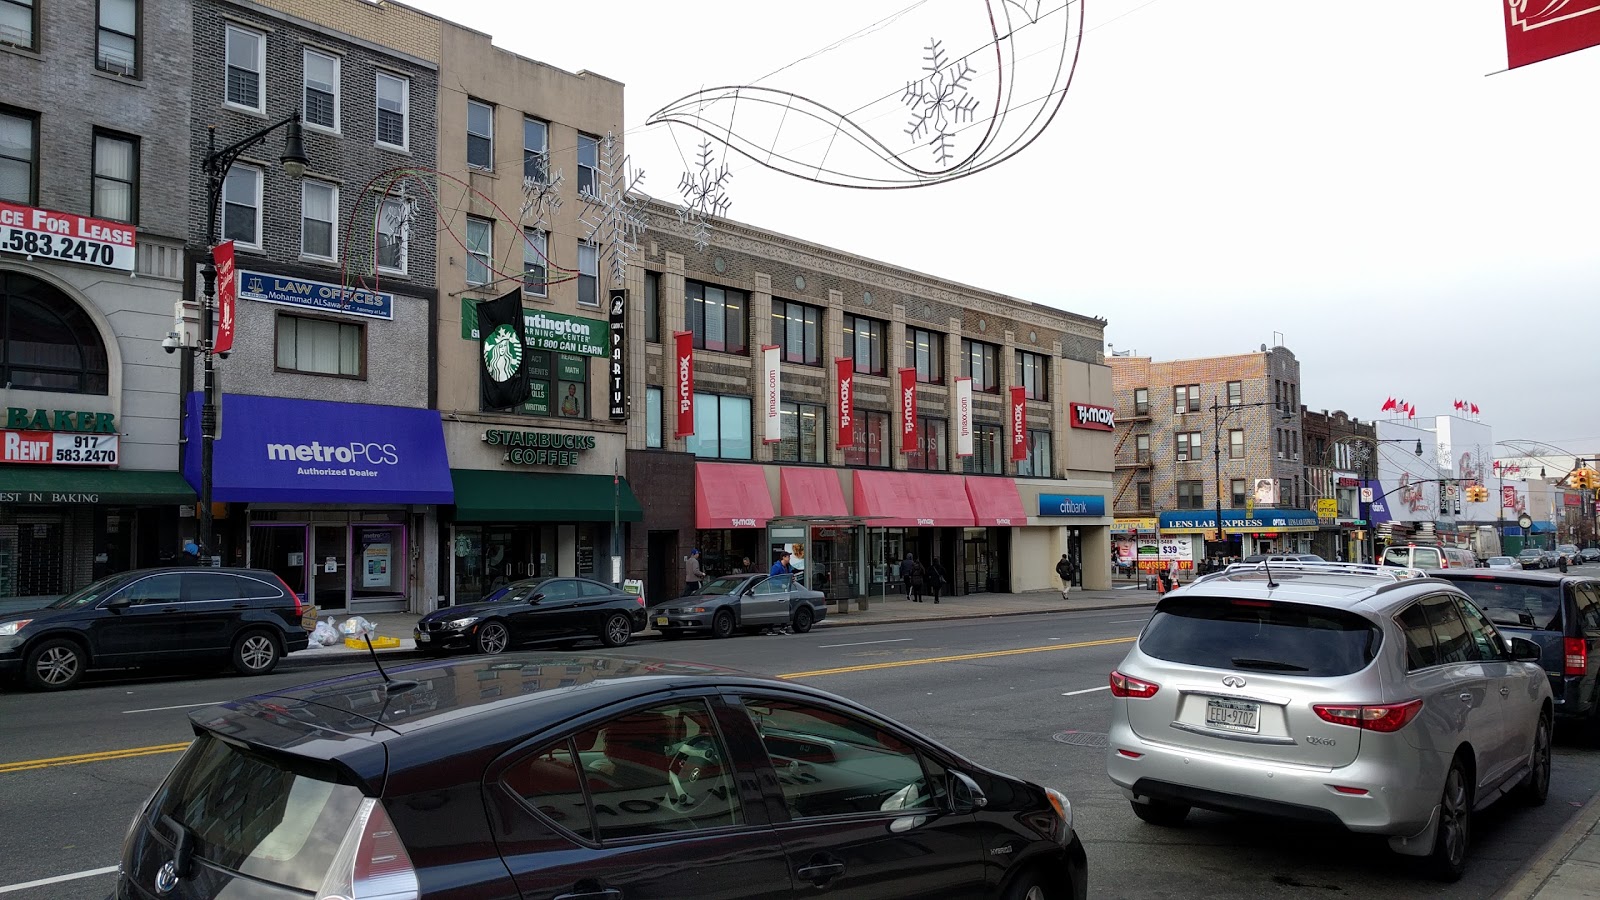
<point>215,166</point>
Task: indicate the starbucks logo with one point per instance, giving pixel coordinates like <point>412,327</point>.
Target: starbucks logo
<point>502,353</point>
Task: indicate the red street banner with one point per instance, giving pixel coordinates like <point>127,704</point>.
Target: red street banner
<point>1019,424</point>
<point>683,381</point>
<point>908,410</point>
<point>1508,498</point>
<point>1537,30</point>
<point>847,401</point>
<point>227,295</point>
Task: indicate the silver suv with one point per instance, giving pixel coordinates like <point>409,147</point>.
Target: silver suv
<point>1374,698</point>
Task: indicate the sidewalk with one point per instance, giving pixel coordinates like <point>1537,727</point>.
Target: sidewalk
<point>1569,867</point>
<point>878,611</point>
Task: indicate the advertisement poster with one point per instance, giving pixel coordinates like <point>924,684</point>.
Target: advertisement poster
<point>1019,424</point>
<point>846,429</point>
<point>1409,481</point>
<point>683,382</point>
<point>963,417</point>
<point>908,410</point>
<point>227,295</point>
<point>1466,452</point>
<point>376,564</point>
<point>771,414</point>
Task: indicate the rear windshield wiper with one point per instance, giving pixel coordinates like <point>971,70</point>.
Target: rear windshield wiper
<point>1245,662</point>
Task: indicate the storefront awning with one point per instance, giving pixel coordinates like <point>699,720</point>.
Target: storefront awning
<point>995,501</point>
<point>52,485</point>
<point>282,450</point>
<point>811,493</point>
<point>729,495</point>
<point>912,499</point>
<point>483,495</point>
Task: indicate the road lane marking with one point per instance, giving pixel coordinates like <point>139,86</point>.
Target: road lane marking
<point>102,756</point>
<point>87,873</point>
<point>1126,621</point>
<point>864,643</point>
<point>1103,687</point>
<point>179,706</point>
<point>992,654</point>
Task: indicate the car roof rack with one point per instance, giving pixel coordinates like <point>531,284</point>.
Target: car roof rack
<point>1393,573</point>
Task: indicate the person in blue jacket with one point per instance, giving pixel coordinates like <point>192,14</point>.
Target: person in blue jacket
<point>781,567</point>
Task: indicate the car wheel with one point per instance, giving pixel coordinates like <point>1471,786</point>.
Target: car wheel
<point>803,617</point>
<point>255,653</point>
<point>617,631</point>
<point>1536,786</point>
<point>722,624</point>
<point>1161,812</point>
<point>1449,859</point>
<point>1029,886</point>
<point>55,665</point>
<point>493,638</point>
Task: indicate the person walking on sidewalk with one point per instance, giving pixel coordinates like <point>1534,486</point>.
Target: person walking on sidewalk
<point>906,565</point>
<point>693,575</point>
<point>1064,571</point>
<point>916,579</point>
<point>935,578</point>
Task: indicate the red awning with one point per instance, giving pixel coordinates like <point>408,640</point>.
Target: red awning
<point>911,499</point>
<point>810,492</point>
<point>727,495</point>
<point>995,501</point>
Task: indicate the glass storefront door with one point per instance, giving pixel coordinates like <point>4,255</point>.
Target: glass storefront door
<point>330,554</point>
<point>489,557</point>
<point>281,549</point>
<point>834,562</point>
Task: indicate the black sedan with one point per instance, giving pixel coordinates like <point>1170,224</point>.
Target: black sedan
<point>534,778</point>
<point>542,610</point>
<point>749,602</point>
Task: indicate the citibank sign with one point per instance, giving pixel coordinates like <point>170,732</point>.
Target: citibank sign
<point>1087,505</point>
<point>1097,418</point>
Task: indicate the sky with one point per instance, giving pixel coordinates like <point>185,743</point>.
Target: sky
<point>1364,179</point>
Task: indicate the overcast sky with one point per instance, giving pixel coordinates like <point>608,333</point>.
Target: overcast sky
<point>1342,173</point>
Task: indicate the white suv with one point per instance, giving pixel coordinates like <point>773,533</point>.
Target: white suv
<point>1369,697</point>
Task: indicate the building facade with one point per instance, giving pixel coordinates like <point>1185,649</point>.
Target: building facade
<point>1338,455</point>
<point>92,227</point>
<point>753,360</point>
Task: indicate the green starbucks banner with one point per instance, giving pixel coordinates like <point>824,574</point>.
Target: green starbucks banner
<point>548,330</point>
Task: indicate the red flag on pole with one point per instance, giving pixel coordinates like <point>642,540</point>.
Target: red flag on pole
<point>1019,424</point>
<point>1474,409</point>
<point>1542,29</point>
<point>847,401</point>
<point>908,410</point>
<point>1388,405</point>
<point>683,381</point>
<point>227,295</point>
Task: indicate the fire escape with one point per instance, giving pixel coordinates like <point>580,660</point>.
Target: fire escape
<point>1132,465</point>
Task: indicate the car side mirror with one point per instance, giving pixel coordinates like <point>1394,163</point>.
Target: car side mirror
<point>965,795</point>
<point>1524,650</point>
<point>118,603</point>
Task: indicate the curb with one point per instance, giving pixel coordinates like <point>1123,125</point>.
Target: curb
<point>1554,852</point>
<point>838,620</point>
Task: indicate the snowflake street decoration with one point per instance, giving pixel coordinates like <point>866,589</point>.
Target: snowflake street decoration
<point>613,208</point>
<point>704,194</point>
<point>541,198</point>
<point>1029,8</point>
<point>939,101</point>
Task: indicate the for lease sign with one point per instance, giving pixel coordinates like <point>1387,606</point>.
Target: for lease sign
<point>28,231</point>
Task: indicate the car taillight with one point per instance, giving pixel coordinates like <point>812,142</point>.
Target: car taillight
<point>298,610</point>
<point>640,598</point>
<point>1128,686</point>
<point>1576,653</point>
<point>371,862</point>
<point>1385,719</point>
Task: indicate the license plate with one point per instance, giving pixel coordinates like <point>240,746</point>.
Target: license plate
<point>1233,715</point>
<point>661,620</point>
<point>423,638</point>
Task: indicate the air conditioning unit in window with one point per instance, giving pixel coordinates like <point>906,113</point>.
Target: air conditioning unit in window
<point>116,66</point>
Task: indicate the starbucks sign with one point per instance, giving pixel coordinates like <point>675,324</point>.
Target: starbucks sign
<point>502,354</point>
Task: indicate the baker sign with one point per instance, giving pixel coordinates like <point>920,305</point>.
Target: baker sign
<point>44,233</point>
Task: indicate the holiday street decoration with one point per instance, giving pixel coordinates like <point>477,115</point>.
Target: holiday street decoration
<point>541,197</point>
<point>613,210</point>
<point>705,194</point>
<point>939,101</point>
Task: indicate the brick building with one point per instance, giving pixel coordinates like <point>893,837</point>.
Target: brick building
<point>1337,448</point>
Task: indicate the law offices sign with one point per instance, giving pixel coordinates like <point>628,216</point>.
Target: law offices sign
<point>264,287</point>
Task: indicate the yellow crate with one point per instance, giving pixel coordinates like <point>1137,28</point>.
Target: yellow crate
<point>378,643</point>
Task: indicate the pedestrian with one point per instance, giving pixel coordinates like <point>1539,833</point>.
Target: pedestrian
<point>936,578</point>
<point>191,553</point>
<point>781,566</point>
<point>1064,572</point>
<point>906,565</point>
<point>745,567</point>
<point>693,574</point>
<point>917,578</point>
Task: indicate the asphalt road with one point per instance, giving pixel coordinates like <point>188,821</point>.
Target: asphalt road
<point>1024,694</point>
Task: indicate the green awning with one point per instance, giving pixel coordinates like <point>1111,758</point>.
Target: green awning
<point>489,496</point>
<point>81,484</point>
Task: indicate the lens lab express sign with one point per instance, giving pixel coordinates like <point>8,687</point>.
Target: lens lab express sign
<point>552,331</point>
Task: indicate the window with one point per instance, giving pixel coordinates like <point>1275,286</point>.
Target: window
<point>319,208</point>
<point>246,57</point>
<point>480,135</point>
<point>803,433</point>
<point>588,164</point>
<point>167,588</point>
<point>19,150</point>
<point>480,248</point>
<point>394,110</point>
<point>1143,489</point>
<point>1188,445</point>
<point>867,770</point>
<point>320,346</point>
<point>1323,642</point>
<point>1186,398</point>
<point>321,89</point>
<point>1191,495</point>
<point>932,453</point>
<point>797,330</point>
<point>1037,465</point>
<point>985,458</point>
<point>394,233</point>
<point>47,341</point>
<point>652,417</point>
<point>535,150</point>
<point>1236,443</point>
<point>1141,401</point>
<point>872,440</point>
<point>1450,635</point>
<point>18,23</point>
<point>1235,393</point>
<point>864,342</point>
<point>535,250</point>
<point>652,307</point>
<point>1033,374</point>
<point>116,178</point>
<point>925,352</point>
<point>202,586</point>
<point>561,376</point>
<point>1295,437</point>
<point>117,42</point>
<point>241,206</point>
<point>1420,649</point>
<point>1237,489</point>
<point>979,362</point>
<point>716,316</point>
<point>588,274</point>
<point>721,427</point>
<point>1141,448</point>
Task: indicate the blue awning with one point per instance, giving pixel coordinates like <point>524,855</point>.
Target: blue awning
<point>283,450</point>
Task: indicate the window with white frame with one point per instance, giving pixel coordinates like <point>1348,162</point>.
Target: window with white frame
<point>535,150</point>
<point>1141,401</point>
<point>1191,495</point>
<point>19,22</point>
<point>1188,445</point>
<point>1143,493</point>
<point>117,40</point>
<point>480,249</point>
<point>1033,374</point>
<point>480,135</point>
<point>241,206</point>
<point>588,164</point>
<point>394,233</point>
<point>321,89</point>
<point>1236,488</point>
<point>1235,393</point>
<point>1141,448</point>
<point>588,274</point>
<point>116,178</point>
<point>1236,443</point>
<point>320,346</point>
<point>1186,398</point>
<point>319,209</point>
<point>246,52</point>
<point>394,110</point>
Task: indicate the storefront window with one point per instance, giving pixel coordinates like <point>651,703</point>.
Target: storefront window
<point>834,562</point>
<point>804,433</point>
<point>724,550</point>
<point>380,555</point>
<point>338,564</point>
<point>558,385</point>
<point>885,548</point>
<point>872,437</point>
<point>985,458</point>
<point>931,446</point>
<point>721,428</point>
<point>1037,465</point>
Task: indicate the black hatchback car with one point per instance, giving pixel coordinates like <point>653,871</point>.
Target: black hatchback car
<point>1560,613</point>
<point>535,610</point>
<point>186,618</point>
<point>533,777</point>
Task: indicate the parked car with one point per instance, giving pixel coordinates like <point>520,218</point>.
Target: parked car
<point>1552,559</point>
<point>1283,557</point>
<point>1503,562</point>
<point>179,618</point>
<point>1531,558</point>
<point>535,610</point>
<point>1413,556</point>
<point>1560,613</point>
<point>1570,553</point>
<point>529,777</point>
<point>1590,554</point>
<point>1331,694</point>
<point>748,602</point>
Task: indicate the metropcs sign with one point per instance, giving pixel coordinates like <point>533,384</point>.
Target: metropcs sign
<point>354,457</point>
<point>1096,418</point>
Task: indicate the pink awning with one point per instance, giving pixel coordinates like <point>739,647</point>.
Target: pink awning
<point>912,499</point>
<point>810,492</point>
<point>995,501</point>
<point>727,495</point>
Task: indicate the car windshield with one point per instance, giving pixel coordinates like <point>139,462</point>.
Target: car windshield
<point>1283,638</point>
<point>718,587</point>
<point>1537,605</point>
<point>1500,560</point>
<point>88,596</point>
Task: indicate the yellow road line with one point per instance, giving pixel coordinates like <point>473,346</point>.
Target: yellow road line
<point>101,756</point>
<point>963,657</point>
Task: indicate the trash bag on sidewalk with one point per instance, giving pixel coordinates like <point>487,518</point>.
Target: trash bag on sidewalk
<point>357,627</point>
<point>325,635</point>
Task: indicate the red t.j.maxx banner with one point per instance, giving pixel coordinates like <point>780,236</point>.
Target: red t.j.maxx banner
<point>1537,30</point>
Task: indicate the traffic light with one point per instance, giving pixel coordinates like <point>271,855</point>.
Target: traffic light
<point>1477,493</point>
<point>1575,479</point>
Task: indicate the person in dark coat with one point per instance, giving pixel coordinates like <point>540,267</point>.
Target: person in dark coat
<point>916,579</point>
<point>1064,572</point>
<point>936,578</point>
<point>906,565</point>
